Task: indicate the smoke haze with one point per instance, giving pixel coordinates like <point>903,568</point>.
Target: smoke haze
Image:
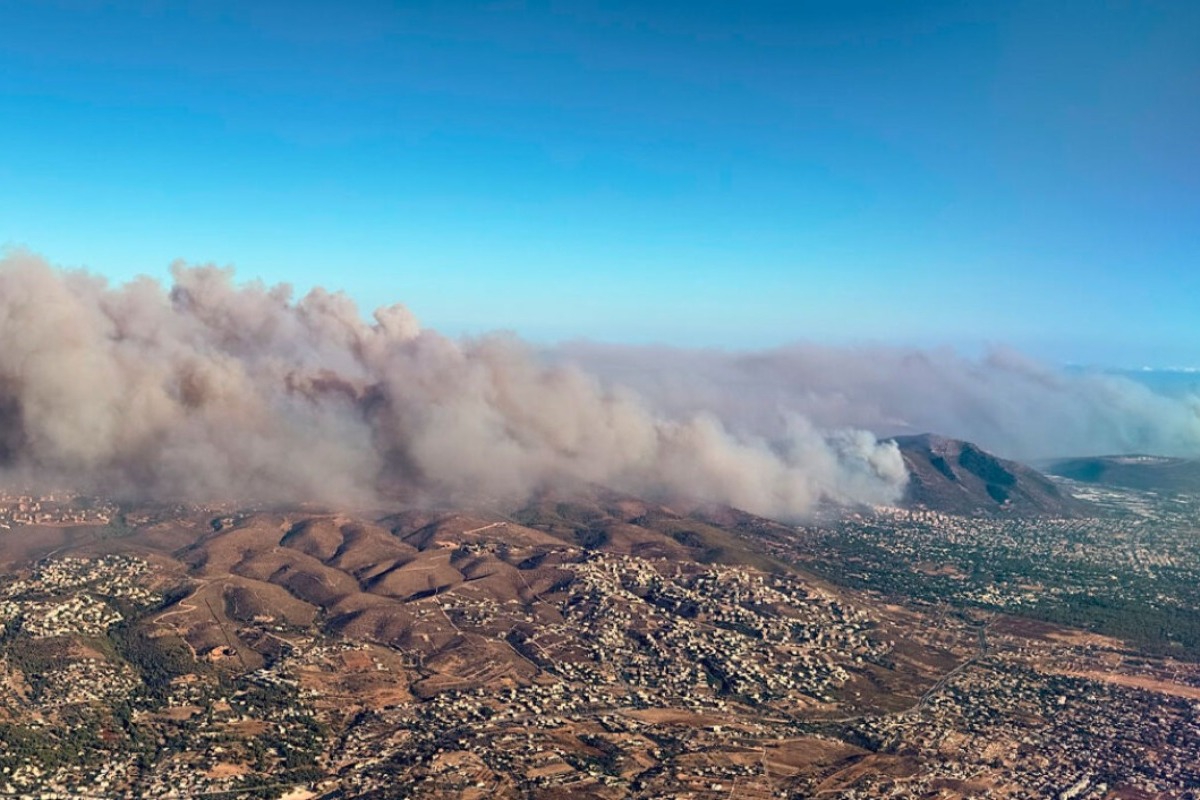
<point>1004,402</point>
<point>211,390</point>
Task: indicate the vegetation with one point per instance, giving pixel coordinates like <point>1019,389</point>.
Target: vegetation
<point>157,660</point>
<point>1077,573</point>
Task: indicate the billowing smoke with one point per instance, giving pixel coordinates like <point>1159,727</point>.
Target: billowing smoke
<point>210,390</point>
<point>1005,402</point>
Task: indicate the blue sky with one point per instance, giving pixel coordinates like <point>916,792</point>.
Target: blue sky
<point>737,174</point>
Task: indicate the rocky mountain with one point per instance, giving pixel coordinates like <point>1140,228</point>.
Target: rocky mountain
<point>959,477</point>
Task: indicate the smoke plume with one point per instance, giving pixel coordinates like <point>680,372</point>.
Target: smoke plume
<point>212,390</point>
<point>1004,402</point>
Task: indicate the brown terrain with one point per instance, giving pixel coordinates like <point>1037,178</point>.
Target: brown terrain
<point>595,645</point>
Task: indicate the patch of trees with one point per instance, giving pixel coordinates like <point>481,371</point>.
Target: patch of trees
<point>70,746</point>
<point>591,538</point>
<point>157,660</point>
<point>1158,629</point>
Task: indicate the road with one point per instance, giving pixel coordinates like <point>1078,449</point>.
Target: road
<point>981,650</point>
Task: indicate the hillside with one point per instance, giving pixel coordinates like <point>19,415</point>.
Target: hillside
<point>959,477</point>
<point>589,645</point>
<point>1142,472</point>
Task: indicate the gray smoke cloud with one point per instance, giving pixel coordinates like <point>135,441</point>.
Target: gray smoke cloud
<point>213,390</point>
<point>1005,402</point>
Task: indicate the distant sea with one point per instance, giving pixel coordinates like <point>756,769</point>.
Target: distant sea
<point>1173,382</point>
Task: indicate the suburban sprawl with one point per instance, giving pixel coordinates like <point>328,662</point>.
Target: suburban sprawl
<point>609,651</point>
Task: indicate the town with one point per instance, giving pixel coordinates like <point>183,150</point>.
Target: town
<point>547,668</point>
<point>57,508</point>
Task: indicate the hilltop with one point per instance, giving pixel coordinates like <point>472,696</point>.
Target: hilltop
<point>958,477</point>
<point>589,644</point>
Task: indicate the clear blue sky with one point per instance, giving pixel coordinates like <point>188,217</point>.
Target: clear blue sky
<point>734,174</point>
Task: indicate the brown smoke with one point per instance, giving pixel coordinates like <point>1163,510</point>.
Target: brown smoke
<point>212,390</point>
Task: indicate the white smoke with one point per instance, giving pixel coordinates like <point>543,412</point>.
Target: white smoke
<point>1005,402</point>
<point>212,390</point>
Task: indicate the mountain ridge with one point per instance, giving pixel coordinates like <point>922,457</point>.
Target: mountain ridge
<point>959,477</point>
<point>1143,472</point>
